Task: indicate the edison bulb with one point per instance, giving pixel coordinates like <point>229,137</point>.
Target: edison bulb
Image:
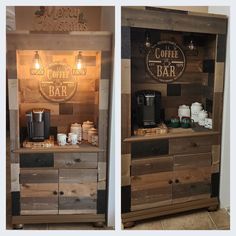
<point>79,64</point>
<point>37,65</point>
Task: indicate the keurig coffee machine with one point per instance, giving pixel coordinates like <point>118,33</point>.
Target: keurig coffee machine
<point>148,108</point>
<point>38,124</point>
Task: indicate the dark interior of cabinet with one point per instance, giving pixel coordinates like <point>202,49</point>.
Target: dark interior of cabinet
<point>195,85</point>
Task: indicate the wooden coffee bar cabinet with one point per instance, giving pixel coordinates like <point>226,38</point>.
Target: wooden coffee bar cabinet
<point>169,59</point>
<point>52,183</point>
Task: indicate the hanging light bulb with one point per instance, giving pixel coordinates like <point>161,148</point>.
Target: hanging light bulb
<point>79,61</point>
<point>37,64</point>
<point>147,39</point>
<point>79,68</point>
<point>191,45</point>
<point>36,68</point>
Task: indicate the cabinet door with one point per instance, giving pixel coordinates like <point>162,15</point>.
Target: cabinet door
<point>38,191</point>
<point>151,182</point>
<point>77,191</point>
<point>192,177</point>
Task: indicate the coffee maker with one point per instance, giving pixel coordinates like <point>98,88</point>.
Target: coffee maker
<point>148,108</point>
<point>38,124</point>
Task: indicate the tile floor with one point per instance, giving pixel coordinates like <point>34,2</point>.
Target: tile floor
<point>195,220</point>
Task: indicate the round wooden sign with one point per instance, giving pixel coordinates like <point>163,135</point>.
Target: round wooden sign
<point>165,61</point>
<point>59,84</point>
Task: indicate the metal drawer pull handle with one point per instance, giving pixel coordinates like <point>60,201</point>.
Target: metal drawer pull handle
<point>170,181</point>
<point>68,163</point>
<point>176,181</point>
<point>55,192</point>
<point>61,193</point>
<point>77,160</point>
<point>194,144</point>
<point>77,200</point>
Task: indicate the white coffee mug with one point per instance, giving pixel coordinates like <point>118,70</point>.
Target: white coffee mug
<point>61,139</point>
<point>72,138</point>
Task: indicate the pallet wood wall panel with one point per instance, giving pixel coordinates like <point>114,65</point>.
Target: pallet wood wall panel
<point>28,160</point>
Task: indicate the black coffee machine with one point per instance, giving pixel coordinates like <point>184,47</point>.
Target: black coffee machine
<point>148,108</point>
<point>38,124</point>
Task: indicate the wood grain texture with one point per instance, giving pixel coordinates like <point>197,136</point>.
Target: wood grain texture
<point>125,169</point>
<point>15,173</point>
<point>172,21</point>
<point>192,160</point>
<point>39,190</point>
<point>219,77</point>
<point>28,160</point>
<point>103,129</point>
<point>191,145</point>
<point>151,165</point>
<point>125,76</point>
<point>77,176</point>
<point>11,65</point>
<point>125,122</point>
<point>77,189</point>
<point>106,65</point>
<point>216,149</point>
<point>75,160</point>
<point>217,111</point>
<point>13,94</point>
<point>102,167</point>
<point>38,176</point>
<point>85,40</point>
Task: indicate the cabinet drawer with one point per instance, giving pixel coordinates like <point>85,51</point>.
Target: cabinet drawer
<point>75,160</point>
<point>28,160</point>
<point>150,148</point>
<point>192,160</point>
<point>151,165</point>
<point>191,144</point>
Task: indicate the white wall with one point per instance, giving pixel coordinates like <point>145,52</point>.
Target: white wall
<point>225,152</point>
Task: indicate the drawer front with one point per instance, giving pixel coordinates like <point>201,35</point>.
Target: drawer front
<point>191,145</point>
<point>150,148</point>
<point>36,160</point>
<point>151,165</point>
<point>38,191</point>
<point>192,161</point>
<point>75,160</point>
<point>77,191</point>
<point>151,190</point>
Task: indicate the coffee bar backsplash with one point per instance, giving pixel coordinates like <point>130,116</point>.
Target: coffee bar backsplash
<point>190,83</point>
<point>70,97</point>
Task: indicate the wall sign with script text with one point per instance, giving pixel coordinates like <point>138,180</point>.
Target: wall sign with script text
<point>63,19</point>
<point>165,61</point>
<point>59,84</point>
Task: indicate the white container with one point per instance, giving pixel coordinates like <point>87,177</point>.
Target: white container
<point>85,127</point>
<point>183,111</point>
<point>202,115</point>
<point>95,140</point>
<point>196,107</point>
<point>72,138</point>
<point>208,123</point>
<point>77,129</point>
<point>61,139</point>
<point>92,132</point>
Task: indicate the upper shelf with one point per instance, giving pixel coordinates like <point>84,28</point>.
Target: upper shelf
<point>62,149</point>
<point>173,133</point>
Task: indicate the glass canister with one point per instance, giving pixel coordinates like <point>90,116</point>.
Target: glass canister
<point>77,129</point>
<point>196,107</point>
<point>92,132</point>
<point>85,127</point>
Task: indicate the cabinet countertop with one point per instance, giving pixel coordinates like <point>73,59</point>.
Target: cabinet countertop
<point>63,149</point>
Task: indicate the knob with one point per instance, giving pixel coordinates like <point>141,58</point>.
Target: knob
<point>194,144</point>
<point>55,192</point>
<point>61,193</point>
<point>77,200</point>
<point>176,181</point>
<point>170,181</point>
<point>77,160</point>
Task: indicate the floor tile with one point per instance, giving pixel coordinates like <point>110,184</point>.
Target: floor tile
<point>147,225</point>
<point>188,221</point>
<point>221,218</point>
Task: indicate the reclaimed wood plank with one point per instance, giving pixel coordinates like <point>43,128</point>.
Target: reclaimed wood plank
<point>191,145</point>
<point>125,76</point>
<point>173,21</point>
<point>151,165</point>
<point>192,160</point>
<point>75,160</point>
<point>77,176</point>
<point>125,169</point>
<point>217,111</point>
<point>38,176</point>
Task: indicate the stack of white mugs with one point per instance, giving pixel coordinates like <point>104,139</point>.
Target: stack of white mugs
<point>78,133</point>
<point>198,115</point>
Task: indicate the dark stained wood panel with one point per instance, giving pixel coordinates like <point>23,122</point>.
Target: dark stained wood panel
<point>34,160</point>
<point>151,165</point>
<point>150,148</point>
